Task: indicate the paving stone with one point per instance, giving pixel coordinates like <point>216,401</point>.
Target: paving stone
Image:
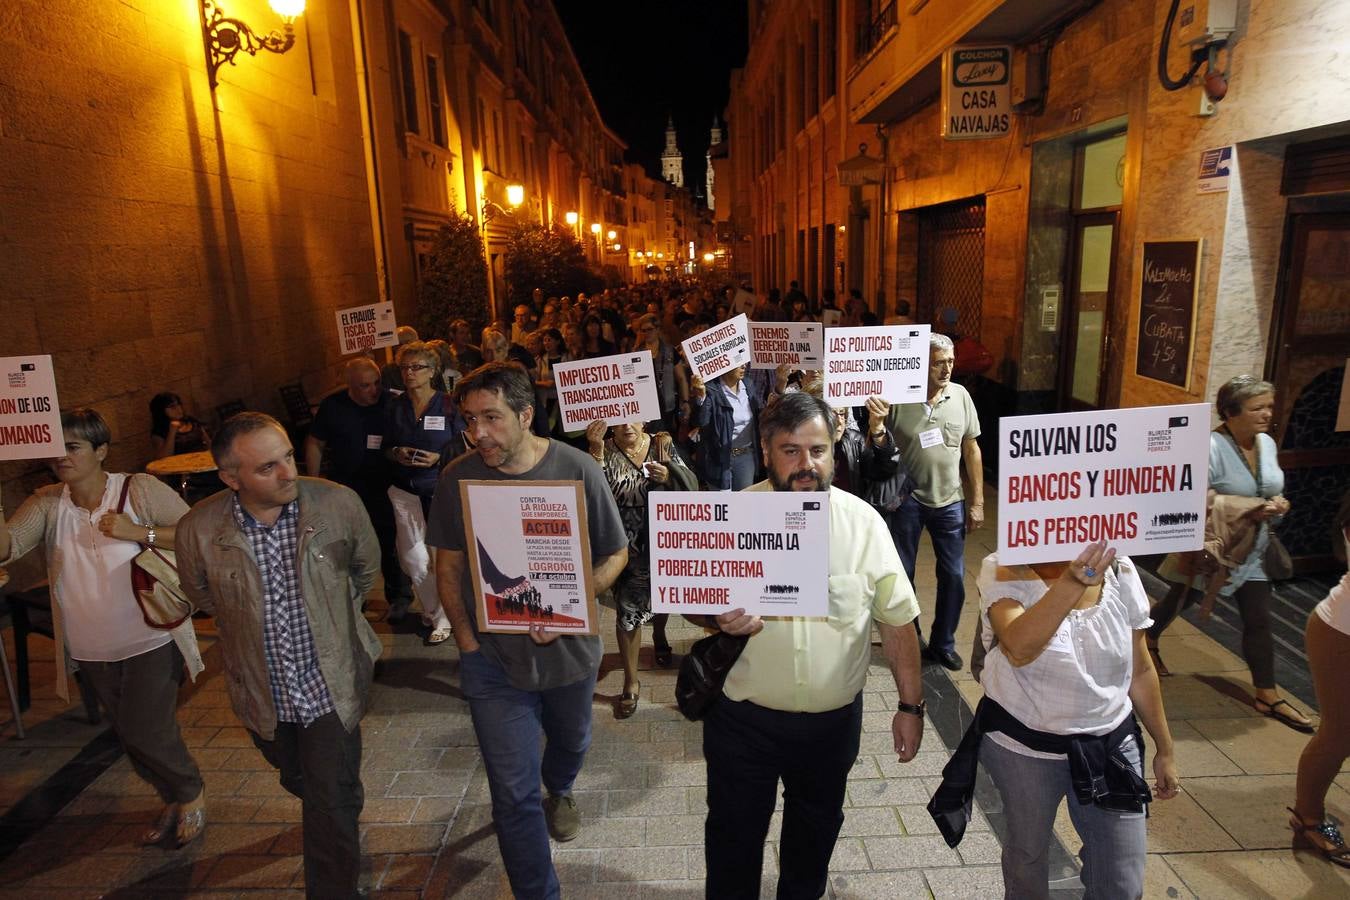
<point>427,784</point>
<point>888,792</point>
<point>900,852</point>
<point>642,864</point>
<point>664,831</point>
<point>611,832</point>
<point>871,821</point>
<point>875,885</point>
<point>253,871</point>
<point>980,848</point>
<point>403,838</point>
<point>576,866</point>
<point>849,856</point>
<point>969,883</point>
<point>663,801</point>
<point>405,870</point>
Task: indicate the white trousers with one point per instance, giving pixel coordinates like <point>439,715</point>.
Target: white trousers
<point>415,558</point>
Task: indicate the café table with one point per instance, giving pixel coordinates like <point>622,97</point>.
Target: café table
<point>184,465</point>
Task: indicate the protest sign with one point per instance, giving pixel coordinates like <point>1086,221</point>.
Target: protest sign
<point>30,415</point>
<point>831,317</point>
<point>362,328</point>
<point>616,389</point>
<point>766,552</point>
<point>886,361</point>
<point>1135,478</point>
<point>799,344</point>
<point>537,572</point>
<point>720,348</point>
<point>743,302</point>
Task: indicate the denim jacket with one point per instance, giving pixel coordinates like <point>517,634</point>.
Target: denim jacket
<point>338,556</point>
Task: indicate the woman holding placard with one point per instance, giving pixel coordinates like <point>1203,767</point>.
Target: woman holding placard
<point>1243,464</point>
<point>725,412</point>
<point>636,463</point>
<point>421,434</point>
<point>1066,671</point>
<point>91,526</point>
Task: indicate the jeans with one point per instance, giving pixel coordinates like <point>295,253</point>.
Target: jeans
<point>509,722</point>
<point>748,748</point>
<point>947,528</point>
<point>1114,843</point>
<point>321,764</point>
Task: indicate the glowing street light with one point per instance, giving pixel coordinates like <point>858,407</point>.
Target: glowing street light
<point>708,257</point>
<point>571,217</point>
<point>515,194</point>
<point>611,234</point>
<point>595,228</point>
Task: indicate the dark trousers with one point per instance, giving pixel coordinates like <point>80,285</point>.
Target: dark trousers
<point>1253,603</point>
<point>140,695</point>
<point>321,764</point>
<point>397,590</point>
<point>946,526</point>
<point>748,748</point>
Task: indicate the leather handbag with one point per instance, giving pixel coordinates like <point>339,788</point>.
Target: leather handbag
<point>703,672</point>
<point>155,583</point>
<point>1276,563</point>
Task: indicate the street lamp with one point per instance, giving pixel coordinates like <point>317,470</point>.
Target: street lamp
<point>571,217</point>
<point>595,228</point>
<point>515,194</point>
<point>708,258</point>
<point>225,36</point>
<point>611,234</point>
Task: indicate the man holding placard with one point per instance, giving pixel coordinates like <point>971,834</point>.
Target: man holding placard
<point>792,704</point>
<point>935,437</point>
<point>533,684</point>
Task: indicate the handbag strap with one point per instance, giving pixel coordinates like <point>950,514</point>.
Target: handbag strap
<point>125,498</point>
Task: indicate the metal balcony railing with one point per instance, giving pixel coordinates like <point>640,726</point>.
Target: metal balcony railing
<point>870,33</point>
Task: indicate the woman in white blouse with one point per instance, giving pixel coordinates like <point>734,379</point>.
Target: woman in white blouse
<point>1066,659</point>
<point>91,526</point>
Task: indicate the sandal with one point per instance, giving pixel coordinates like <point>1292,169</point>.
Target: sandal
<point>168,820</point>
<point>664,657</point>
<point>1158,665</point>
<point>439,636</point>
<point>191,822</point>
<point>1325,838</point>
<point>627,705</point>
<point>1272,710</point>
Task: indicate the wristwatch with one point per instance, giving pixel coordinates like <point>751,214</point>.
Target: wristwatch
<point>150,536</point>
<point>914,709</point>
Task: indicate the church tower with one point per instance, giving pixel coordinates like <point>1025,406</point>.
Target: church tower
<point>672,161</point>
<point>714,139</point>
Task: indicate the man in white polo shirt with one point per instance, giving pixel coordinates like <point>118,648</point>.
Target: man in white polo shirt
<point>792,704</point>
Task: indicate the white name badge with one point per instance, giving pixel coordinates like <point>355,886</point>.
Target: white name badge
<point>930,438</point>
<point>374,441</point>
<point>433,423</point>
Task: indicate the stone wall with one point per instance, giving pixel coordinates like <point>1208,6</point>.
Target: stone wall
<point>155,235</point>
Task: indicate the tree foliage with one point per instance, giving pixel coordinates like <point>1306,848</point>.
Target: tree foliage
<point>455,285</point>
<point>550,259</point>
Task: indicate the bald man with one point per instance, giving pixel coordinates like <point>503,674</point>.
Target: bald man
<point>345,445</point>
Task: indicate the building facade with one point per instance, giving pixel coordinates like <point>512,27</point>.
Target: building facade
<point>1037,242</point>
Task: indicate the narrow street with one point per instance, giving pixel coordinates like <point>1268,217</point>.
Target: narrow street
<point>73,809</point>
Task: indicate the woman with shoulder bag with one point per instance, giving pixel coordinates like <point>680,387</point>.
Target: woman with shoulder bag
<point>1243,464</point>
<point>91,526</point>
<point>635,464</point>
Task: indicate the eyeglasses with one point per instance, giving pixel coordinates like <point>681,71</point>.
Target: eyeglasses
<point>417,367</point>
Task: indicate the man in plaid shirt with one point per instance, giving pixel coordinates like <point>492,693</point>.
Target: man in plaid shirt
<point>283,563</point>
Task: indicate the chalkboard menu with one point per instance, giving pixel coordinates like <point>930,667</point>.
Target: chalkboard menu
<point>1168,290</point>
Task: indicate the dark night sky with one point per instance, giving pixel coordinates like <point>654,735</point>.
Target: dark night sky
<point>647,60</point>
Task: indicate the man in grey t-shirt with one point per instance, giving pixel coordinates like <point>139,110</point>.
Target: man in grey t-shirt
<point>520,686</point>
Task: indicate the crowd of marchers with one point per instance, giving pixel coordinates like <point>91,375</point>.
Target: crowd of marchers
<point>1067,653</point>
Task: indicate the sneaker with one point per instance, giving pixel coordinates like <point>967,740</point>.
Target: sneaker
<point>560,812</point>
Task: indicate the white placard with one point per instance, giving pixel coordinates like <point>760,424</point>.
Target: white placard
<point>719,349</point>
<point>30,414</point>
<point>363,328</point>
<point>831,317</point>
<point>743,302</point>
<point>1343,411</point>
<point>616,389</point>
<point>767,552</point>
<point>799,344</point>
<point>976,92</point>
<point>1135,478</point>
<point>530,555</point>
<point>886,361</point>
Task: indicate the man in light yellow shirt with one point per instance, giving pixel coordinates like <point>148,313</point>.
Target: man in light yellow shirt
<point>792,704</point>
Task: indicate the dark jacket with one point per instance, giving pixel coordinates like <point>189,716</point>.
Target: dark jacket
<point>715,419</point>
<point>338,557</point>
<point>875,473</point>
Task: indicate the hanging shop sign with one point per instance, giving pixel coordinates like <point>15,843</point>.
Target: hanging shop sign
<point>976,93</point>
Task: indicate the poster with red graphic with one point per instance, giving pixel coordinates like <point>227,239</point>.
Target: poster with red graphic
<point>530,555</point>
<point>30,414</point>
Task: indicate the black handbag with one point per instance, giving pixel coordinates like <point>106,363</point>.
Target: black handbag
<point>704,670</point>
<point>1276,564</point>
